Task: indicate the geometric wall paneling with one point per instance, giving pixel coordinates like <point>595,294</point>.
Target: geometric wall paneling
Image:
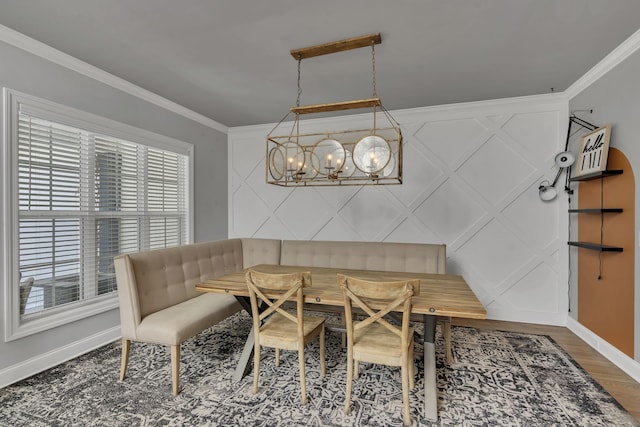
<point>495,182</point>
<point>498,119</point>
<point>370,211</point>
<point>495,253</point>
<point>336,229</point>
<point>335,197</point>
<point>425,171</point>
<point>235,181</point>
<point>410,231</point>
<point>314,215</point>
<point>542,227</point>
<point>449,212</point>
<point>536,287</point>
<point>244,154</point>
<point>515,278</point>
<point>451,139</point>
<point>471,176</point>
<point>540,138</point>
<point>273,228</point>
<point>269,194</point>
<point>247,210</point>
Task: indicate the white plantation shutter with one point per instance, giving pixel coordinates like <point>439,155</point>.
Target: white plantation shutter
<point>49,188</point>
<point>84,197</point>
<point>166,194</point>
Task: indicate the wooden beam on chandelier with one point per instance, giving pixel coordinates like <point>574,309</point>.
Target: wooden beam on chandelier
<point>337,106</point>
<point>337,46</point>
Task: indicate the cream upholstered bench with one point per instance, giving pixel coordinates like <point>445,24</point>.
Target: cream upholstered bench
<point>158,300</point>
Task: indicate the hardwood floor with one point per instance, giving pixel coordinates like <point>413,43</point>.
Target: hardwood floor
<point>620,385</point>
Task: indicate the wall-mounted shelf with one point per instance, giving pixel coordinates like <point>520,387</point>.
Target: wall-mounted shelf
<point>596,246</point>
<point>589,245</point>
<point>596,210</point>
<point>596,175</point>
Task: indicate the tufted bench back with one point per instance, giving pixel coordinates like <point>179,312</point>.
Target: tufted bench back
<point>154,280</point>
<point>260,251</point>
<point>382,256</point>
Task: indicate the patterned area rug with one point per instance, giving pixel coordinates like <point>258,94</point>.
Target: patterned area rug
<point>498,379</point>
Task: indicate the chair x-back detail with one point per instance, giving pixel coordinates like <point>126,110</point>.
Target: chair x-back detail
<point>277,328</point>
<point>374,339</point>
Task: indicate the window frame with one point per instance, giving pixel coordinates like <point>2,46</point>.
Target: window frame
<point>17,326</point>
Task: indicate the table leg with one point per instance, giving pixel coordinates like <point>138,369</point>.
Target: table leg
<point>430,386</point>
<point>246,358</point>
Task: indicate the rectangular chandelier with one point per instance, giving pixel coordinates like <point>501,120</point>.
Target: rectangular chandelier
<point>370,156</point>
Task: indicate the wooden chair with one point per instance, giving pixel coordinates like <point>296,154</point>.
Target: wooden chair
<point>277,328</point>
<point>374,340</point>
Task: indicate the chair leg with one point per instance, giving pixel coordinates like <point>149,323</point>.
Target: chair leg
<point>356,369</point>
<point>277,357</point>
<point>126,346</point>
<point>347,395</point>
<point>303,381</point>
<point>405,390</point>
<point>323,362</point>
<point>256,366</point>
<point>412,367</point>
<point>175,368</point>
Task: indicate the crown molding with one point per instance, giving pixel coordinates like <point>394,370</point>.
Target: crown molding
<point>47,52</point>
<point>609,62</point>
<point>550,101</point>
<point>487,107</point>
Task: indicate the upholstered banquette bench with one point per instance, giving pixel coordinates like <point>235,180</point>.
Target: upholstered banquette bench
<point>159,303</point>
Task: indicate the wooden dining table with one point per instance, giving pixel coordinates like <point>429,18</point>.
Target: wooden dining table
<point>440,295</point>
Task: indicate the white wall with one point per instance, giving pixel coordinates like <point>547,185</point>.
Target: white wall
<point>471,176</point>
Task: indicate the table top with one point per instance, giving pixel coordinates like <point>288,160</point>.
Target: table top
<point>440,294</point>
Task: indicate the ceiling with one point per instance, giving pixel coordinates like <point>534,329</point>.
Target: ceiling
<point>229,59</point>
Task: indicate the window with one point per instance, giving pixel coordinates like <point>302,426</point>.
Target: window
<point>78,190</point>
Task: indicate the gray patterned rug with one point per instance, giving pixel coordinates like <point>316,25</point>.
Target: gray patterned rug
<point>499,378</point>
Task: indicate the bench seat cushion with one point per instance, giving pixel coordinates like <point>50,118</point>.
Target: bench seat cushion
<point>182,321</point>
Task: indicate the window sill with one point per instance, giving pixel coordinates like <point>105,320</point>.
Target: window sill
<point>38,322</point>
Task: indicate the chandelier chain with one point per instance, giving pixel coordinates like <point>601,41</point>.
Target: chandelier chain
<point>299,87</point>
<point>373,66</point>
<point>375,93</point>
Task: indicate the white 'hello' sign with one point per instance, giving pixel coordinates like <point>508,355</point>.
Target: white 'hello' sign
<point>593,152</point>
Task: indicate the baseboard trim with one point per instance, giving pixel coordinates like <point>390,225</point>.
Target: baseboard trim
<point>57,356</point>
<point>552,319</point>
<point>618,358</point>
